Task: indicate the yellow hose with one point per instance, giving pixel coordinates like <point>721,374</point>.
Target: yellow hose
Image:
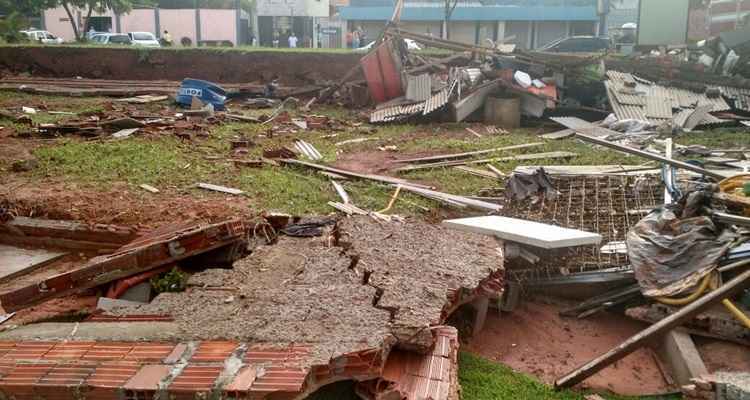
<point>711,284</point>
<point>732,308</point>
<point>690,298</point>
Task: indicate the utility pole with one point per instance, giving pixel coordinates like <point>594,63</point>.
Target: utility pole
<point>237,22</point>
<point>739,14</point>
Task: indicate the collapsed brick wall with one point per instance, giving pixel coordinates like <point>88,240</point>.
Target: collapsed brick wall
<point>223,66</point>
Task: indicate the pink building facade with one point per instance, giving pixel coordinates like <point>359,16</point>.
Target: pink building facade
<point>202,25</point>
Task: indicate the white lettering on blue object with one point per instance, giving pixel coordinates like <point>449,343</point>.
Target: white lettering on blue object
<point>191,92</point>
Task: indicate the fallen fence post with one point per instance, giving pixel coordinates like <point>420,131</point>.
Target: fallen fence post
<point>634,342</point>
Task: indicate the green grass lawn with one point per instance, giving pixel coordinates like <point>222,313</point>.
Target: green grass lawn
<point>168,163</point>
<point>482,379</point>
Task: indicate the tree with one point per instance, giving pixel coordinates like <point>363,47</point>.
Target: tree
<point>100,6</point>
<point>13,15</point>
<point>24,7</point>
<point>450,6</point>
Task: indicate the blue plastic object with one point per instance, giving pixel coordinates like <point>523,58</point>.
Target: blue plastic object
<point>207,92</point>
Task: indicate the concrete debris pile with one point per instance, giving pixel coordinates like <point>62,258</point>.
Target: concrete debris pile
<point>408,86</point>
<point>366,301</point>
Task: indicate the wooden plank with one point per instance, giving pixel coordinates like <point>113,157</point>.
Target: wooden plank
<point>559,134</point>
<point>469,153</point>
<point>477,172</point>
<point>453,199</point>
<point>650,156</point>
<point>217,188</point>
<point>520,157</point>
<point>525,232</point>
<point>351,174</point>
<point>149,188</point>
<point>638,340</point>
<point>589,169</point>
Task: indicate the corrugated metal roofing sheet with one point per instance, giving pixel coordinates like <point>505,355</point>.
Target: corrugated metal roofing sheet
<point>659,103</point>
<point>657,107</point>
<point>572,122</point>
<point>382,70</point>
<point>440,98</point>
<point>691,99</point>
<point>623,111</point>
<point>740,96</point>
<point>394,113</point>
<point>308,150</point>
<point>418,88</point>
<point>621,92</point>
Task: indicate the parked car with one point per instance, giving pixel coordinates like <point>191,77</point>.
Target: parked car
<point>112,39</point>
<point>42,37</point>
<point>146,39</point>
<point>578,44</point>
<point>410,44</point>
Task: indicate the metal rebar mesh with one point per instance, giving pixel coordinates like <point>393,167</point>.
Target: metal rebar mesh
<point>608,205</point>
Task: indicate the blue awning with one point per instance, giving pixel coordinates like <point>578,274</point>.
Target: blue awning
<point>483,13</point>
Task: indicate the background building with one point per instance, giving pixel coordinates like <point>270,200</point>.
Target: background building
<point>278,18</point>
<point>527,23</point>
<point>727,15</point>
<point>207,26</point>
<point>622,12</point>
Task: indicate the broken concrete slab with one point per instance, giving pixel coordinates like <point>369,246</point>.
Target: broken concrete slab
<point>525,232</point>
<point>105,331</point>
<point>460,110</point>
<point>107,304</point>
<point>15,261</point>
<point>352,297</point>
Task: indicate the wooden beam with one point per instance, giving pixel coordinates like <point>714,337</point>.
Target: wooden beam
<point>647,155</point>
<point>635,342</point>
<point>469,153</point>
<point>520,157</point>
<point>350,174</point>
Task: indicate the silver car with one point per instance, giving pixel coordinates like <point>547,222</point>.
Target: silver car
<point>43,37</point>
<point>146,39</point>
<point>112,39</point>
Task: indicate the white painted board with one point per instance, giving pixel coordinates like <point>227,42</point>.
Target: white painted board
<point>525,232</point>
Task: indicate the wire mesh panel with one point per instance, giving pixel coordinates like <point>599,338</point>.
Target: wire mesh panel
<point>608,205</point>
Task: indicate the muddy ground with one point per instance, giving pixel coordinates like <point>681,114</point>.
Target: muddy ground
<point>534,339</point>
<point>217,65</point>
